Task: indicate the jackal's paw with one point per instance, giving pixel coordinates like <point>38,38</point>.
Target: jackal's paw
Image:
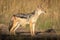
<point>32,34</point>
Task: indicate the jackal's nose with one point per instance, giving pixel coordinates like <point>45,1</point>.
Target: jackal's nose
<point>43,12</point>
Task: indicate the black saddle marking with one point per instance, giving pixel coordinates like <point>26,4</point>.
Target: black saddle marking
<point>24,15</point>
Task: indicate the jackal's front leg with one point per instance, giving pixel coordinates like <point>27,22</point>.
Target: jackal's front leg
<point>18,25</point>
<point>32,28</point>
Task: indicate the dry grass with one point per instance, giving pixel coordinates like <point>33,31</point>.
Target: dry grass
<point>49,20</point>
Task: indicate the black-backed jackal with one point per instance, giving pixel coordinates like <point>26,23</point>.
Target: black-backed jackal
<point>23,19</point>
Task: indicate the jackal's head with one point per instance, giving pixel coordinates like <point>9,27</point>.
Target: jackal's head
<point>40,10</point>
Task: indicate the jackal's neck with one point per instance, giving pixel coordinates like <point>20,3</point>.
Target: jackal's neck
<point>37,13</point>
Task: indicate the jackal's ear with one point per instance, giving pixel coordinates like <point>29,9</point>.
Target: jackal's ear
<point>39,7</point>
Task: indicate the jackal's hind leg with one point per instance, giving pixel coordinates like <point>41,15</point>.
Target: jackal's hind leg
<point>12,29</point>
<point>18,25</point>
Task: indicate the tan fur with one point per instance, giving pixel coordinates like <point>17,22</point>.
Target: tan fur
<point>21,21</point>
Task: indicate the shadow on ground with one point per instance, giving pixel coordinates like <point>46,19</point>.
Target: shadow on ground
<point>39,36</point>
